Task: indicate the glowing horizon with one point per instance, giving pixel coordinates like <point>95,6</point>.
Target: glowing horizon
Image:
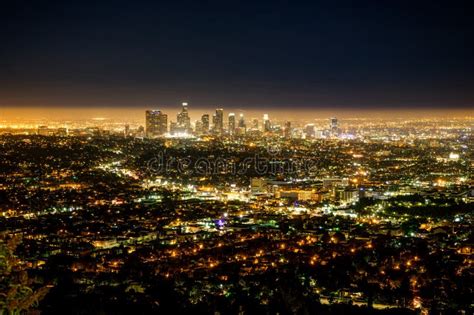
<point>12,114</point>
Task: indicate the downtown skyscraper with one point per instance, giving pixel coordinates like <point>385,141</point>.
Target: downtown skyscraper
<point>156,123</point>
<point>218,121</point>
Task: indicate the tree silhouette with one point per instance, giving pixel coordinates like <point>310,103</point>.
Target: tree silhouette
<point>16,293</point>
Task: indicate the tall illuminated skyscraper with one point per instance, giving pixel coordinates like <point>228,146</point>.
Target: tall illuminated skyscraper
<point>242,121</point>
<point>231,123</point>
<point>205,123</point>
<point>255,124</point>
<point>266,123</point>
<point>333,124</point>
<point>242,125</point>
<point>183,120</point>
<point>198,127</point>
<point>218,121</point>
<point>309,131</point>
<point>156,123</point>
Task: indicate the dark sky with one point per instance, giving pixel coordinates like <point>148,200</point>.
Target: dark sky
<point>314,54</point>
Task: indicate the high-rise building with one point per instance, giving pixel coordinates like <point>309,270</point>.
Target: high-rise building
<point>214,123</point>
<point>174,129</point>
<point>205,123</point>
<point>183,120</point>
<point>255,124</point>
<point>156,123</point>
<point>218,120</point>
<point>242,121</point>
<point>231,123</point>
<point>266,123</point>
<point>241,127</point>
<point>309,131</point>
<point>333,125</point>
<point>288,130</point>
<point>198,127</point>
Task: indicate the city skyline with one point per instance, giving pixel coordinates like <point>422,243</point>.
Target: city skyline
<point>71,113</point>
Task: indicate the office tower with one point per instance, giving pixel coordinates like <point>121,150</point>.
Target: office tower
<point>309,131</point>
<point>198,127</point>
<point>242,122</point>
<point>288,130</point>
<point>231,123</point>
<point>214,123</point>
<point>266,123</point>
<point>255,124</point>
<point>333,125</point>
<point>174,128</point>
<point>241,127</point>
<point>156,123</point>
<point>183,120</point>
<point>218,121</point>
<point>205,123</point>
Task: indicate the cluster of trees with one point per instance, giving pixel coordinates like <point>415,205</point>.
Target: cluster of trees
<point>18,293</point>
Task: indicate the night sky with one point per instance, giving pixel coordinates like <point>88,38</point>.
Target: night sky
<point>255,54</point>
